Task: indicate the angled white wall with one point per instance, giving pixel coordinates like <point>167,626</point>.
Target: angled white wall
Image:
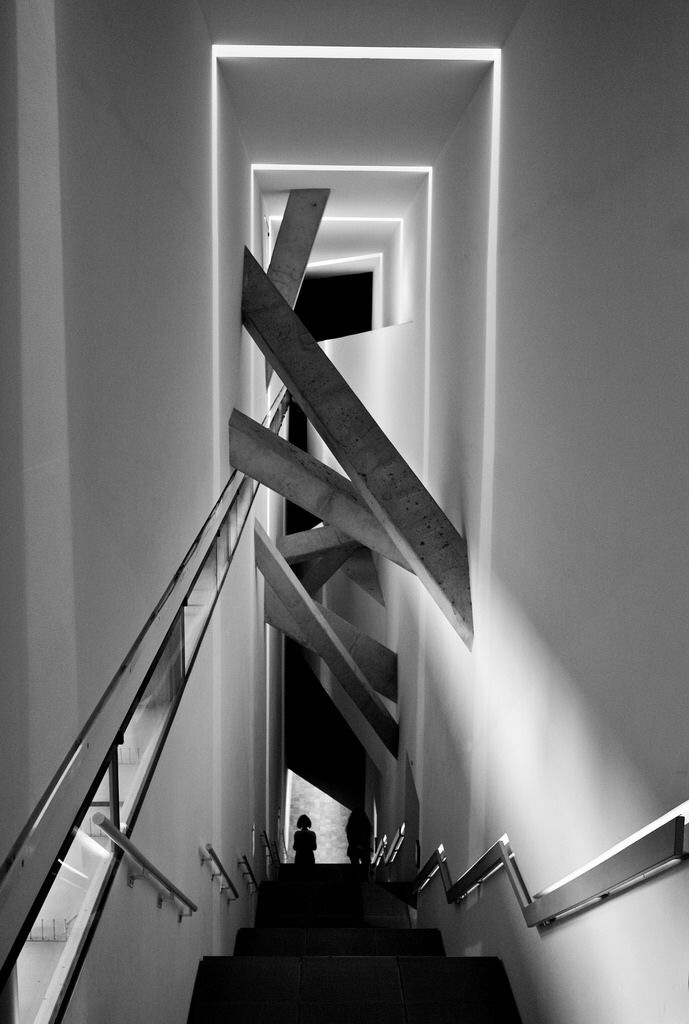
<point>566,725</point>
<point>119,383</point>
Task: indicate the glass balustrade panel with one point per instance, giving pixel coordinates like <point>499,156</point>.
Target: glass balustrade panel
<point>146,726</point>
<point>54,938</point>
<point>199,604</point>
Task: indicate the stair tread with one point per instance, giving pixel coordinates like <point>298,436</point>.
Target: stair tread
<point>331,951</point>
<point>340,989</point>
<point>353,941</point>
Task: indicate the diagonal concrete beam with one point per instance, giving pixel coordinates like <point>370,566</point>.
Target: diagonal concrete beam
<point>413,520</point>
<point>324,640</point>
<point>300,478</point>
<point>322,569</point>
<point>365,734</point>
<point>308,544</point>
<point>295,239</point>
<point>328,550</point>
<point>361,569</point>
<point>376,661</point>
<point>277,616</point>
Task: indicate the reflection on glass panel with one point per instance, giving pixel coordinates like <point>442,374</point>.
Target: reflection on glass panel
<point>199,602</point>
<point>244,499</point>
<point>150,716</point>
<point>223,551</point>
<point>233,524</point>
<point>66,910</point>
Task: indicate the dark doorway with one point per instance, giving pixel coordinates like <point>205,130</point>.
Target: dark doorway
<point>336,305</point>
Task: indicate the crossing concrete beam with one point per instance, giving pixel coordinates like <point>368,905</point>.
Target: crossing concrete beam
<point>361,569</point>
<point>376,661</point>
<point>300,478</point>
<point>309,544</point>
<point>322,569</point>
<point>328,549</point>
<point>415,523</point>
<point>322,638</point>
<point>295,239</point>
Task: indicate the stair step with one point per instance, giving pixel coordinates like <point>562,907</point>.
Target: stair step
<point>353,989</point>
<point>382,909</point>
<point>338,942</point>
<point>301,904</point>
<point>319,873</point>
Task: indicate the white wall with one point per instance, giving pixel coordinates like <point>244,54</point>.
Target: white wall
<point>37,580</point>
<point>565,727</point>
<point>115,429</point>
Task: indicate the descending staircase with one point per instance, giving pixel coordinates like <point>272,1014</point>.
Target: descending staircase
<point>333,951</point>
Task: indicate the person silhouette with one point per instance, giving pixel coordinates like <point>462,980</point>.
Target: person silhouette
<point>304,846</point>
<point>358,831</point>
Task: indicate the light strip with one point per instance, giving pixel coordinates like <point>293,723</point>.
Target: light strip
<point>364,220</point>
<point>358,220</point>
<point>345,259</point>
<point>276,218</point>
<point>375,168</point>
<point>215,280</point>
<point>449,53</point>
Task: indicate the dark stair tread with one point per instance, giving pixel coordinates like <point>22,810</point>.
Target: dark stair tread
<point>246,1013</point>
<point>301,904</point>
<point>248,979</point>
<point>338,942</point>
<point>402,891</point>
<point>409,942</point>
<point>351,1013</point>
<point>473,990</point>
<point>318,873</point>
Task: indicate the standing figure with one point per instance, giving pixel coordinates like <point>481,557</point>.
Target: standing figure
<point>304,845</point>
<point>359,841</point>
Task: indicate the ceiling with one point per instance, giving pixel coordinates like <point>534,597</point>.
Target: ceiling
<point>362,22</point>
<point>349,111</point>
<point>324,111</point>
<point>364,193</point>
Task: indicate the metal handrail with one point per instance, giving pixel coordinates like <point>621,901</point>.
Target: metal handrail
<point>247,873</point>
<point>147,866</point>
<point>395,845</point>
<point>29,862</point>
<point>211,855</point>
<point>379,851</point>
<point>267,846</point>
<point>437,862</point>
<point>658,850</point>
<point>271,853</point>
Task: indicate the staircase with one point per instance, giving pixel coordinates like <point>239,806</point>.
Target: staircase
<point>335,951</point>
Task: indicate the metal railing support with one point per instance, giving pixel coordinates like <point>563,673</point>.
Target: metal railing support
<point>148,868</point>
<point>209,854</point>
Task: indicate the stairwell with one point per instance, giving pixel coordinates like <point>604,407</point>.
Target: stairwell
<point>332,950</point>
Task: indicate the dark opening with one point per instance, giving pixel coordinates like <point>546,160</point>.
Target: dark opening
<point>335,306</point>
